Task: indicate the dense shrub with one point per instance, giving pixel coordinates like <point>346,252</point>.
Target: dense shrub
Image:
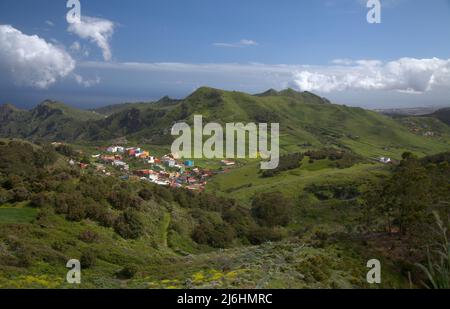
<point>88,236</point>
<point>5,196</point>
<point>42,199</point>
<point>129,225</point>
<point>261,235</point>
<point>76,211</point>
<point>122,199</point>
<point>287,162</point>
<point>217,236</point>
<point>336,191</point>
<point>88,259</point>
<point>66,150</point>
<point>146,194</point>
<point>107,219</point>
<point>272,209</point>
<point>20,194</point>
<point>128,272</point>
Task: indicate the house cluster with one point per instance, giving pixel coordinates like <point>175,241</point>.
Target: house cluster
<point>164,171</point>
<point>195,179</point>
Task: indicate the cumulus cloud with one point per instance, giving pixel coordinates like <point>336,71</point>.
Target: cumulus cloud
<point>408,75</point>
<point>31,61</point>
<point>241,43</point>
<point>97,30</point>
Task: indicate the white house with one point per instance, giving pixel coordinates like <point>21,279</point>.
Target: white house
<point>228,163</point>
<point>385,160</point>
<point>116,149</point>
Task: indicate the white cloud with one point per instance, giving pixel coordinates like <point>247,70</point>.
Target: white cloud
<point>97,30</point>
<point>404,75</point>
<point>408,75</point>
<point>241,43</point>
<point>50,23</point>
<point>86,83</point>
<point>78,49</point>
<point>75,47</point>
<point>31,61</point>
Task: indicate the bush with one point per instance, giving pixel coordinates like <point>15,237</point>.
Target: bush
<point>272,209</point>
<point>107,219</point>
<point>146,194</point>
<point>88,259</point>
<point>88,236</point>
<point>129,225</point>
<point>287,162</point>
<point>261,235</point>
<point>123,199</point>
<point>5,196</point>
<point>24,257</point>
<point>128,272</point>
<point>76,212</point>
<point>218,236</point>
<point>40,200</point>
<point>20,194</point>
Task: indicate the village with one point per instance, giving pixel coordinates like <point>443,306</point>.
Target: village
<point>165,171</point>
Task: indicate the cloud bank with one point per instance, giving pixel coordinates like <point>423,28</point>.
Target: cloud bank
<point>408,75</point>
<point>30,60</point>
<point>97,30</point>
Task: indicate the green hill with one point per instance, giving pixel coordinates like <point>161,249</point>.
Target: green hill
<point>305,119</point>
<point>49,121</point>
<point>443,115</point>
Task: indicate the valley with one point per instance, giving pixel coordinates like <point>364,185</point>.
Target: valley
<point>102,186</point>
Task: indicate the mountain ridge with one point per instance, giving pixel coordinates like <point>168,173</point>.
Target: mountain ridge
<point>305,119</point>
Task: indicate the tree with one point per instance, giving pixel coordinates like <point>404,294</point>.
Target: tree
<point>404,199</point>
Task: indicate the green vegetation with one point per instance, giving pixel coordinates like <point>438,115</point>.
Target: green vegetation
<point>306,120</point>
<point>437,268</point>
<point>312,223</point>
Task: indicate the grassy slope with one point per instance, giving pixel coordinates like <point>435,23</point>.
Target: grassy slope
<point>289,264</point>
<point>305,118</point>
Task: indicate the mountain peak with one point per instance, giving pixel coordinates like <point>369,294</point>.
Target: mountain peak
<point>269,93</point>
<point>206,92</point>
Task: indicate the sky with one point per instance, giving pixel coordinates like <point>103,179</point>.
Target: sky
<point>142,50</point>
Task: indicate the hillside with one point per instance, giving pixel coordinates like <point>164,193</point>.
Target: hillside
<point>306,120</point>
<point>49,120</point>
<point>132,234</point>
<point>443,115</point>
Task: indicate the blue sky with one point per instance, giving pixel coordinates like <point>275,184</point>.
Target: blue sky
<point>144,49</point>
